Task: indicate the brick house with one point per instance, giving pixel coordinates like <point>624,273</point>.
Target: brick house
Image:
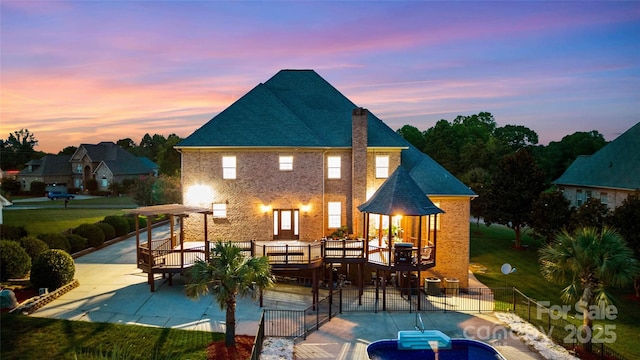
<point>294,158</point>
<point>105,162</point>
<point>611,174</point>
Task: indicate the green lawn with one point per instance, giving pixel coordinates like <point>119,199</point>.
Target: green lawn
<point>493,246</point>
<point>25,337</point>
<point>55,220</point>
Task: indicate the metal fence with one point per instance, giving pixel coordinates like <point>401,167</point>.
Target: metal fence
<point>563,330</point>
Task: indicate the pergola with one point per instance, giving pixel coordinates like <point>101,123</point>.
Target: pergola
<point>166,255</point>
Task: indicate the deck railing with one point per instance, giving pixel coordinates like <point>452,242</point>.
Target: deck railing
<point>163,255</point>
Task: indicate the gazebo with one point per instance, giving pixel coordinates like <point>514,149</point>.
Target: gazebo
<point>405,249</point>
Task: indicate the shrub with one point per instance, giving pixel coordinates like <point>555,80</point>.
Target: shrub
<point>142,222</point>
<point>56,241</point>
<point>12,232</point>
<point>107,229</point>
<point>77,243</point>
<point>14,260</point>
<point>119,223</point>
<point>91,232</point>
<point>33,246</point>
<point>52,269</point>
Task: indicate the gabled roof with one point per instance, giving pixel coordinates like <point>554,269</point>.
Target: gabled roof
<point>295,108</point>
<point>118,160</point>
<point>400,195</point>
<point>105,150</point>
<point>616,165</point>
<point>48,165</point>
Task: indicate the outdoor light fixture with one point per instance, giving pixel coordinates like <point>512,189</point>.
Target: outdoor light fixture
<point>265,208</point>
<point>305,208</point>
<point>200,195</point>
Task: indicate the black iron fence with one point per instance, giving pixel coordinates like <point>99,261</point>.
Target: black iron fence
<point>564,330</point>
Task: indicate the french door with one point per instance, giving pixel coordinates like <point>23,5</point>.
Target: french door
<point>285,224</point>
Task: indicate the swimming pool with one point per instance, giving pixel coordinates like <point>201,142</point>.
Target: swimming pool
<point>420,349</point>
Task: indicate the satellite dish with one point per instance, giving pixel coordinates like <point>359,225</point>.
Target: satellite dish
<point>507,269</point>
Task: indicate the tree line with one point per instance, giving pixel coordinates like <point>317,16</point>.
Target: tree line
<point>512,175</point>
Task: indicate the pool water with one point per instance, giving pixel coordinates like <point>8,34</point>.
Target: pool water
<point>458,349</point>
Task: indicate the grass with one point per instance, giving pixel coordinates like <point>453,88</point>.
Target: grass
<point>56,220</point>
<point>25,337</point>
<point>493,246</point>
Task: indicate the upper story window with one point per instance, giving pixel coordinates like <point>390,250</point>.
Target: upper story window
<point>333,167</point>
<point>334,211</point>
<point>579,197</point>
<point>228,167</point>
<point>286,162</point>
<point>604,198</point>
<point>382,166</point>
<point>220,211</point>
<point>79,168</point>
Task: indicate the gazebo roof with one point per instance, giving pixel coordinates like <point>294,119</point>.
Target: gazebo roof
<point>168,209</point>
<point>400,195</point>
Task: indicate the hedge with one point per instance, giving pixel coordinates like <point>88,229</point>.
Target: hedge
<point>56,241</point>
<point>14,260</point>
<point>119,223</point>
<point>91,232</point>
<point>33,246</point>
<point>52,269</point>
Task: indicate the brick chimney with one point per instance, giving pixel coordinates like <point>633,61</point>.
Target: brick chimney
<point>359,139</point>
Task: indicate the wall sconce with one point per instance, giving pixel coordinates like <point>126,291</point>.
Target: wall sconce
<point>305,208</point>
<point>265,208</point>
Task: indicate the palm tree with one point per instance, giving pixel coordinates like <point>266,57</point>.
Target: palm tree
<point>226,275</point>
<point>591,261</point>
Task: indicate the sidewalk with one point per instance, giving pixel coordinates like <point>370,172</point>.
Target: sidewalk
<point>112,289</point>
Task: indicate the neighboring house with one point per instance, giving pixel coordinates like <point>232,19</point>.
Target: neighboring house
<point>294,158</point>
<point>50,169</point>
<point>107,163</point>
<point>611,174</point>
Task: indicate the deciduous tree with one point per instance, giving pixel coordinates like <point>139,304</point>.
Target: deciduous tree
<point>515,185</point>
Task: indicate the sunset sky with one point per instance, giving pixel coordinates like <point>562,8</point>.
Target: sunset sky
<point>89,71</point>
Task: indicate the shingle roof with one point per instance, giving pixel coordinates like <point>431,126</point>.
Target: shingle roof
<point>299,108</point>
<point>117,159</point>
<point>294,108</point>
<point>400,195</point>
<point>616,165</point>
<point>432,178</point>
<point>48,165</point>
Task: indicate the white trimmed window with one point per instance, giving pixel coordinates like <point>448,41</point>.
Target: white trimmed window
<point>220,211</point>
<point>286,162</point>
<point>333,167</point>
<point>604,198</point>
<point>334,210</point>
<point>382,166</point>
<point>228,167</point>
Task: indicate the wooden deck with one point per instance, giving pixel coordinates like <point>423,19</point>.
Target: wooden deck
<point>163,258</point>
